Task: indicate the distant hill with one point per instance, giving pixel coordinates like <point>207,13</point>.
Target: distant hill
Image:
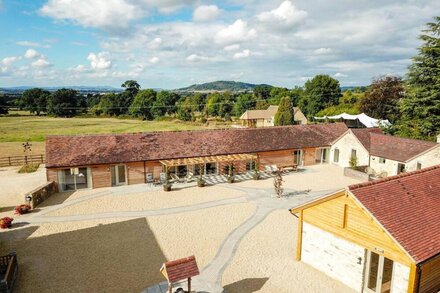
<point>80,89</point>
<point>221,85</point>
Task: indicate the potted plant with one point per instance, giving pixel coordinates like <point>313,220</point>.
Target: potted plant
<point>22,209</point>
<point>167,184</point>
<point>6,222</point>
<point>256,174</point>
<point>200,181</point>
<point>231,177</point>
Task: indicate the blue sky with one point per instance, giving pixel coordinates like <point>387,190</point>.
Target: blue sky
<point>170,43</point>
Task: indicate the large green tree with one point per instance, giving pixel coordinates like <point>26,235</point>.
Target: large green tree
<point>420,109</point>
<point>284,115</point>
<point>35,100</point>
<point>320,92</point>
<point>3,105</point>
<point>187,107</point>
<point>382,97</point>
<point>142,104</point>
<point>165,103</point>
<point>245,101</point>
<point>63,103</point>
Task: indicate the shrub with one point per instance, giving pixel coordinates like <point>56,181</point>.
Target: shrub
<point>30,168</point>
<point>22,209</point>
<point>6,222</point>
<point>353,162</point>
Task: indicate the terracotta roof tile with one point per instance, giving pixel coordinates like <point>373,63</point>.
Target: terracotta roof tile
<point>391,147</point>
<point>408,207</point>
<point>181,269</point>
<point>81,150</point>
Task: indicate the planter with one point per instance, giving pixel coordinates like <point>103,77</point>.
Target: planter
<point>231,179</point>
<point>6,222</point>
<point>201,183</point>
<point>167,187</point>
<point>256,176</point>
<point>22,209</point>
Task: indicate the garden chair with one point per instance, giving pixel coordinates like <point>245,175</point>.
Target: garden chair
<point>150,179</point>
<point>162,177</point>
<point>189,178</point>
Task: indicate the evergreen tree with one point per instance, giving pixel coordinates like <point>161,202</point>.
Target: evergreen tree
<point>284,115</point>
<point>421,106</point>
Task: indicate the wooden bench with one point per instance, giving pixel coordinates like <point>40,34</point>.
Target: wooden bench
<point>289,167</point>
<point>8,272</point>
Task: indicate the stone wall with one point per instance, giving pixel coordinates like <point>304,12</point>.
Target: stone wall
<point>334,256</point>
<point>42,193</point>
<point>356,174</point>
<point>400,279</point>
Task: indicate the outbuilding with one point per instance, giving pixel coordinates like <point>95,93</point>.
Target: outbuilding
<point>379,236</point>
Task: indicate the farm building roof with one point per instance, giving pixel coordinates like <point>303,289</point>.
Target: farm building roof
<point>408,207</point>
<point>81,150</point>
<point>263,114</point>
<point>391,147</point>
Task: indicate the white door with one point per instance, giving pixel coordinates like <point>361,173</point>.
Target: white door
<point>378,273</point>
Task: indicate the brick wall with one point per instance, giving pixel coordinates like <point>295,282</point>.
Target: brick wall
<point>334,256</point>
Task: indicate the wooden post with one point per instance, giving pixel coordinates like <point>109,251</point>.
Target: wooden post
<point>9,161</point>
<point>189,285</point>
<point>42,160</point>
<point>299,237</point>
<point>170,287</point>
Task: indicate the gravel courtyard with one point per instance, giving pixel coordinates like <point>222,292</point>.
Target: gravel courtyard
<point>115,239</point>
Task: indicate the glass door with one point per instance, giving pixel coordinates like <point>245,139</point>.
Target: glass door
<point>378,273</point>
<point>118,175</point>
<point>298,157</point>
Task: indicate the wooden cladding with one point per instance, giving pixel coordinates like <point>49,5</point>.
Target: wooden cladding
<point>276,158</point>
<point>430,276</point>
<point>101,176</point>
<point>343,217</point>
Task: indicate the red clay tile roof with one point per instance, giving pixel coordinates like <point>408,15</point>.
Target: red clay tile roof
<point>180,269</point>
<point>363,135</point>
<point>408,207</point>
<point>83,150</point>
<point>391,147</point>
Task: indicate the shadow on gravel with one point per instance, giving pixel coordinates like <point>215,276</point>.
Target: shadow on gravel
<point>248,285</point>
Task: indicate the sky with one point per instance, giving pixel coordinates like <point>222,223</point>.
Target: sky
<point>170,44</point>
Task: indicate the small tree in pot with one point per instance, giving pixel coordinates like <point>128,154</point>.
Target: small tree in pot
<point>167,184</point>
<point>256,171</point>
<point>231,177</point>
<point>278,184</point>
<point>200,181</point>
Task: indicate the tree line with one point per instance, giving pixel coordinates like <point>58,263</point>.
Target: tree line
<point>411,104</point>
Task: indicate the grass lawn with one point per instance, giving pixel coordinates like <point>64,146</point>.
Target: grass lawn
<point>16,130</point>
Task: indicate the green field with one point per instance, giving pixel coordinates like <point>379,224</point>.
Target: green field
<point>16,130</point>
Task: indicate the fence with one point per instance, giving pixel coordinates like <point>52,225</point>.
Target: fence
<point>21,160</point>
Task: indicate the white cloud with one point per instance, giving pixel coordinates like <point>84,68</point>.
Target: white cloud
<point>32,44</point>
<point>243,54</point>
<point>154,60</point>
<point>233,47</point>
<point>99,61</point>
<point>338,74</point>
<point>41,63</point>
<point>168,6</point>
<point>206,13</point>
<point>31,53</point>
<point>323,51</point>
<point>96,13</point>
<point>8,61</point>
<point>284,16</point>
<point>196,58</point>
<point>236,33</point>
